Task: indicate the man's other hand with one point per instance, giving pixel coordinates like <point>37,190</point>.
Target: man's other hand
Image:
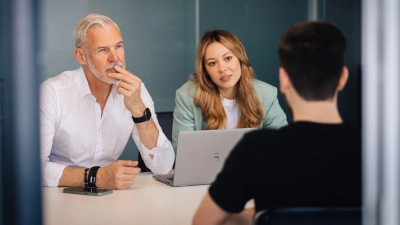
<point>118,175</point>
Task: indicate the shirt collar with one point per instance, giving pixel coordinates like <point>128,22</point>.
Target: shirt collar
<point>114,92</point>
<point>83,85</point>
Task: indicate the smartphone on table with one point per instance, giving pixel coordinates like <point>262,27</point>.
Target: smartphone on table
<point>88,191</point>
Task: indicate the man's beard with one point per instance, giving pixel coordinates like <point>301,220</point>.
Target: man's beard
<point>103,76</point>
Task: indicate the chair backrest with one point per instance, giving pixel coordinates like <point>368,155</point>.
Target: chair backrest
<point>309,216</point>
<point>165,119</point>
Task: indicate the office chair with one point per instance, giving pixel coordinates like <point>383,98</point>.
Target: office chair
<point>165,120</point>
<point>309,216</point>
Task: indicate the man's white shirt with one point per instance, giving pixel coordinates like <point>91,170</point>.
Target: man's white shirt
<point>74,132</point>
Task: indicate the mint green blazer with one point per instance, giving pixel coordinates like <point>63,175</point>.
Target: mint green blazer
<point>188,117</point>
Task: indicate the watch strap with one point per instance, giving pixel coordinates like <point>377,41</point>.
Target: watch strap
<point>146,117</point>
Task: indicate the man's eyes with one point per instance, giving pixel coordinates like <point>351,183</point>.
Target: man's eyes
<point>105,49</point>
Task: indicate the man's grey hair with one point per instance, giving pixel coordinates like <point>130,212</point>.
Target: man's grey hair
<point>87,22</point>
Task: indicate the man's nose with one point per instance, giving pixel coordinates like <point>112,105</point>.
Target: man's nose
<point>112,56</point>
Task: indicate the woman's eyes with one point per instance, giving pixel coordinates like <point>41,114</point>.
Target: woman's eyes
<point>228,58</point>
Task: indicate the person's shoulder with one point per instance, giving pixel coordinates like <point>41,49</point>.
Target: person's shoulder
<point>63,79</point>
<point>348,126</point>
<point>340,131</point>
<point>341,128</point>
<point>265,135</point>
<point>261,143</point>
<point>349,129</point>
<point>262,85</point>
<point>264,89</point>
<point>188,88</point>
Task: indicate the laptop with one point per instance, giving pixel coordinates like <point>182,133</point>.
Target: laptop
<point>200,156</point>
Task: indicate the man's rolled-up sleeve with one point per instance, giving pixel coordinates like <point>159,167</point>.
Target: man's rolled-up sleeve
<point>163,153</point>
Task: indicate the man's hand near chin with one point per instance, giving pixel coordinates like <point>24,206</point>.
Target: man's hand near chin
<point>129,86</point>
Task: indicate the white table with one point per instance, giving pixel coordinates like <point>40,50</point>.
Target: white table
<point>146,202</point>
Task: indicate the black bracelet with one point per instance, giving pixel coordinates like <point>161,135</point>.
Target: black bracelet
<point>85,177</point>
<point>92,176</point>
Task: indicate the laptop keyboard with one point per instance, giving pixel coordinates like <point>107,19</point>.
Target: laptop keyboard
<point>170,178</point>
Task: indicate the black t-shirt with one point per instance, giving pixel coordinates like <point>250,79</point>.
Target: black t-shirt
<point>302,164</point>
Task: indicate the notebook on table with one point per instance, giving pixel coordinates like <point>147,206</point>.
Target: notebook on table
<point>200,156</point>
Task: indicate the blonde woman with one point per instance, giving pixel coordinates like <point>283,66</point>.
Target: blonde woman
<point>223,93</point>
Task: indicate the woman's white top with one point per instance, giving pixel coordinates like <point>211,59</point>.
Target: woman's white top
<point>232,112</point>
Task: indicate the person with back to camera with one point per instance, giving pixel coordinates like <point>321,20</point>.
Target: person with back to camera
<point>87,115</point>
<point>223,93</point>
<point>314,161</point>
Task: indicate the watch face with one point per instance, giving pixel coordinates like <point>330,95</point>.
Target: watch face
<point>147,113</point>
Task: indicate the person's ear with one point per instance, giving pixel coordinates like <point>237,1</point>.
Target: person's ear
<point>344,76</point>
<point>284,81</point>
<point>80,56</point>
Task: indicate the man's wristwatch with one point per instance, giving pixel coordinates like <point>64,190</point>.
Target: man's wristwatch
<point>146,116</point>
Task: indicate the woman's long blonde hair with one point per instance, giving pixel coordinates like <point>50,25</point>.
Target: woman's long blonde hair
<point>207,94</point>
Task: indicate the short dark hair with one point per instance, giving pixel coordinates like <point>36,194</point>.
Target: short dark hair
<point>312,53</point>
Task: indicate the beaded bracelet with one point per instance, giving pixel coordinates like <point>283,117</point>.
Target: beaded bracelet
<point>85,177</point>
